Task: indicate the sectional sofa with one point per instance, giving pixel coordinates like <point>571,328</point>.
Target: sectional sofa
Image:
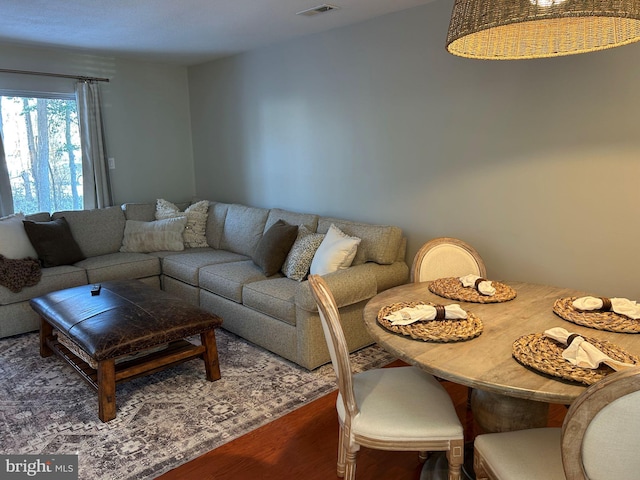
<point>223,275</point>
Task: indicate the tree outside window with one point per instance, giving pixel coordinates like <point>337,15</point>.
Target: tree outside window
<point>42,148</point>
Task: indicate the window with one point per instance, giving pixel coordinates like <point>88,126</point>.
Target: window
<point>42,148</point>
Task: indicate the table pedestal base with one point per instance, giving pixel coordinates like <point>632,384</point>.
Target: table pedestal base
<point>437,468</point>
<point>499,413</point>
<point>493,413</point>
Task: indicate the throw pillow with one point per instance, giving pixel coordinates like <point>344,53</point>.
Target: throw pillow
<point>196,215</point>
<point>53,242</point>
<point>160,235</point>
<point>274,246</point>
<point>14,242</point>
<point>336,252</point>
<point>296,265</point>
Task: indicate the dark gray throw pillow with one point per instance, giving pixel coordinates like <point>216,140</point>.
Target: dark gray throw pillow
<point>53,242</point>
<point>274,246</point>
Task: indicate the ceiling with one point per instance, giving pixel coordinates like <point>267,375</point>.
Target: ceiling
<point>184,32</point>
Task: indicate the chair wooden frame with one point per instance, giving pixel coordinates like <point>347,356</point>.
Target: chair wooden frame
<point>580,415</point>
<point>416,267</point>
<point>349,442</point>
<point>584,410</point>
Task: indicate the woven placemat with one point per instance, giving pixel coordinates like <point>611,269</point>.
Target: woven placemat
<point>545,355</point>
<point>451,287</point>
<point>610,321</point>
<point>443,331</point>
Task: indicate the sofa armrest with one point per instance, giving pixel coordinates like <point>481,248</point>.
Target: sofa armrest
<point>349,286</point>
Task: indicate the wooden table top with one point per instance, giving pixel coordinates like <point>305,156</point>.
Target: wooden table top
<point>485,362</point>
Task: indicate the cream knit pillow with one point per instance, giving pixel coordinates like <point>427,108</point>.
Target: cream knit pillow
<point>161,235</point>
<point>196,215</point>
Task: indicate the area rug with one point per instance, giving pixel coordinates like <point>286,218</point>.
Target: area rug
<point>163,420</point>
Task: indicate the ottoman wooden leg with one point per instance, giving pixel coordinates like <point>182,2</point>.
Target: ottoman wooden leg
<point>210,355</point>
<point>46,332</point>
<point>107,390</point>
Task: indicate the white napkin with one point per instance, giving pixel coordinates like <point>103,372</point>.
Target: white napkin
<point>623,306</point>
<point>485,287</point>
<point>582,353</point>
<point>409,315</point>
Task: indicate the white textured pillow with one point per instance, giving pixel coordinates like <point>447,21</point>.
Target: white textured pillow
<point>161,235</point>
<point>336,252</point>
<point>196,215</point>
<point>296,265</point>
<point>14,242</point>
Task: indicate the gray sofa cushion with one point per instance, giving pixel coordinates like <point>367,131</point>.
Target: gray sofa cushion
<point>228,279</point>
<point>215,223</point>
<point>116,266</point>
<point>185,266</point>
<point>349,286</point>
<point>243,227</point>
<point>273,297</point>
<point>145,212</point>
<point>309,220</point>
<point>38,217</point>
<point>380,243</point>
<point>97,231</point>
<point>142,212</point>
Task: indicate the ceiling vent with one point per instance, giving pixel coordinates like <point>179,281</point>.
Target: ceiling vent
<point>324,8</point>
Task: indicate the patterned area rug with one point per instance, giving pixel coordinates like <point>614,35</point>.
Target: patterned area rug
<point>163,420</point>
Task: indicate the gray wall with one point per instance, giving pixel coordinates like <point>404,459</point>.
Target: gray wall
<point>536,163</point>
<point>145,112</point>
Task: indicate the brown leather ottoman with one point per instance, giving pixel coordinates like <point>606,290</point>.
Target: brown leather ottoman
<point>128,330</point>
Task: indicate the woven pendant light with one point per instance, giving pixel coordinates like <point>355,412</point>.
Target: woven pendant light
<point>521,29</point>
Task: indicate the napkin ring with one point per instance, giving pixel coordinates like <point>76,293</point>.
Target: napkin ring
<point>440,312</point>
<point>478,282</point>
<point>606,306</point>
<point>571,338</point>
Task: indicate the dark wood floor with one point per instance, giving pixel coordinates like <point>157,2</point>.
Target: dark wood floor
<point>304,443</point>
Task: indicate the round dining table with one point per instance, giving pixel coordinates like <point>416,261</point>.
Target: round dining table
<point>506,394</point>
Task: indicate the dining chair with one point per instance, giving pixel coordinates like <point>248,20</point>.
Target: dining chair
<point>402,409</point>
<point>446,257</point>
<point>598,439</point>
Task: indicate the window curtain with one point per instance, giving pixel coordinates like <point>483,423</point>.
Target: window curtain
<point>97,187</point>
<point>6,197</point>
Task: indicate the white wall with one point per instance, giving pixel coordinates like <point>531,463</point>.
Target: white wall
<point>146,116</point>
<point>536,163</point>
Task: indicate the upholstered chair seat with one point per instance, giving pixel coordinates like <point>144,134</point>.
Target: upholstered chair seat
<point>401,404</point>
<point>598,439</point>
<point>524,454</point>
